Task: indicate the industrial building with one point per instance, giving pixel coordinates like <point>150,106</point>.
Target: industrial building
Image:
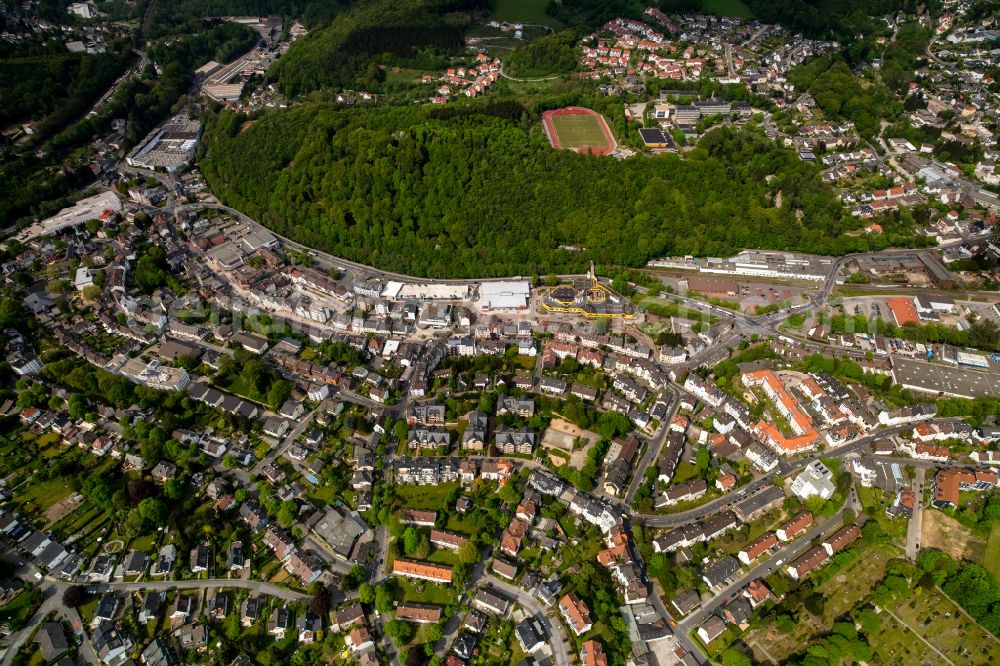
<point>170,146</point>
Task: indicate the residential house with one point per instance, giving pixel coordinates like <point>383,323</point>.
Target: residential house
<point>576,614</point>
<point>279,622</point>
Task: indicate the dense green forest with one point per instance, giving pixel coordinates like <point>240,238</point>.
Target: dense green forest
<point>36,184</point>
<point>900,57</point>
<point>829,19</point>
<point>840,93</point>
<point>592,13</point>
<point>169,18</point>
<point>485,196</point>
<point>552,54</point>
<point>345,53</point>
<point>56,87</point>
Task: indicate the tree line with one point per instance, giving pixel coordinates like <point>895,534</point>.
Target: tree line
<point>842,20</point>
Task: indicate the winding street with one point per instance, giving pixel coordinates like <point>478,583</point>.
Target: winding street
<point>52,591</point>
<point>544,78</point>
<point>256,585</point>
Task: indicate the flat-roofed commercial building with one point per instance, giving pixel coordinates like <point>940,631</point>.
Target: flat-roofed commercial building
<point>506,295</point>
<point>98,207</point>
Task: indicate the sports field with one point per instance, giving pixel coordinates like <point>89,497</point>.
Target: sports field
<point>578,129</point>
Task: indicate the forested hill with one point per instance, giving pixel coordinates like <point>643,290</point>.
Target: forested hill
<point>482,196</point>
<point>342,54</point>
<point>830,19</point>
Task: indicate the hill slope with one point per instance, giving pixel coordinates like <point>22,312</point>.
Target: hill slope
<point>485,196</point>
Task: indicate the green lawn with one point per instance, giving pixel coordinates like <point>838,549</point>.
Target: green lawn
<point>43,494</point>
<point>457,523</point>
<point>322,496</point>
<point>144,543</point>
<point>19,611</point>
<point>404,75</point>
<point>424,497</point>
<point>46,444</point>
<point>417,592</point>
<point>443,556</point>
<point>727,8</point>
<point>991,558</point>
<point>524,11</point>
<point>88,609</point>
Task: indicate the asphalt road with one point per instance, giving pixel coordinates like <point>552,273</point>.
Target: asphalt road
<point>293,434</point>
<point>653,446</point>
<point>916,520</point>
<point>256,585</point>
<point>761,570</point>
<point>557,635</point>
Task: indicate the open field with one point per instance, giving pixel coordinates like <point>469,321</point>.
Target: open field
<point>727,8</point>
<point>424,497</point>
<point>947,534</point>
<point>991,558</point>
<point>403,75</point>
<point>63,508</point>
<point>578,129</point>
<point>421,592</point>
<point>42,495</point>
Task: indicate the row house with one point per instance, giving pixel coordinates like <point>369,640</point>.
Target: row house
<point>671,455</point>
<point>908,414</point>
<point>425,471</point>
<point>683,492</point>
<point>449,540</point>
<point>688,535</point>
<point>279,542</point>
<point>434,573</point>
<point>707,392</point>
